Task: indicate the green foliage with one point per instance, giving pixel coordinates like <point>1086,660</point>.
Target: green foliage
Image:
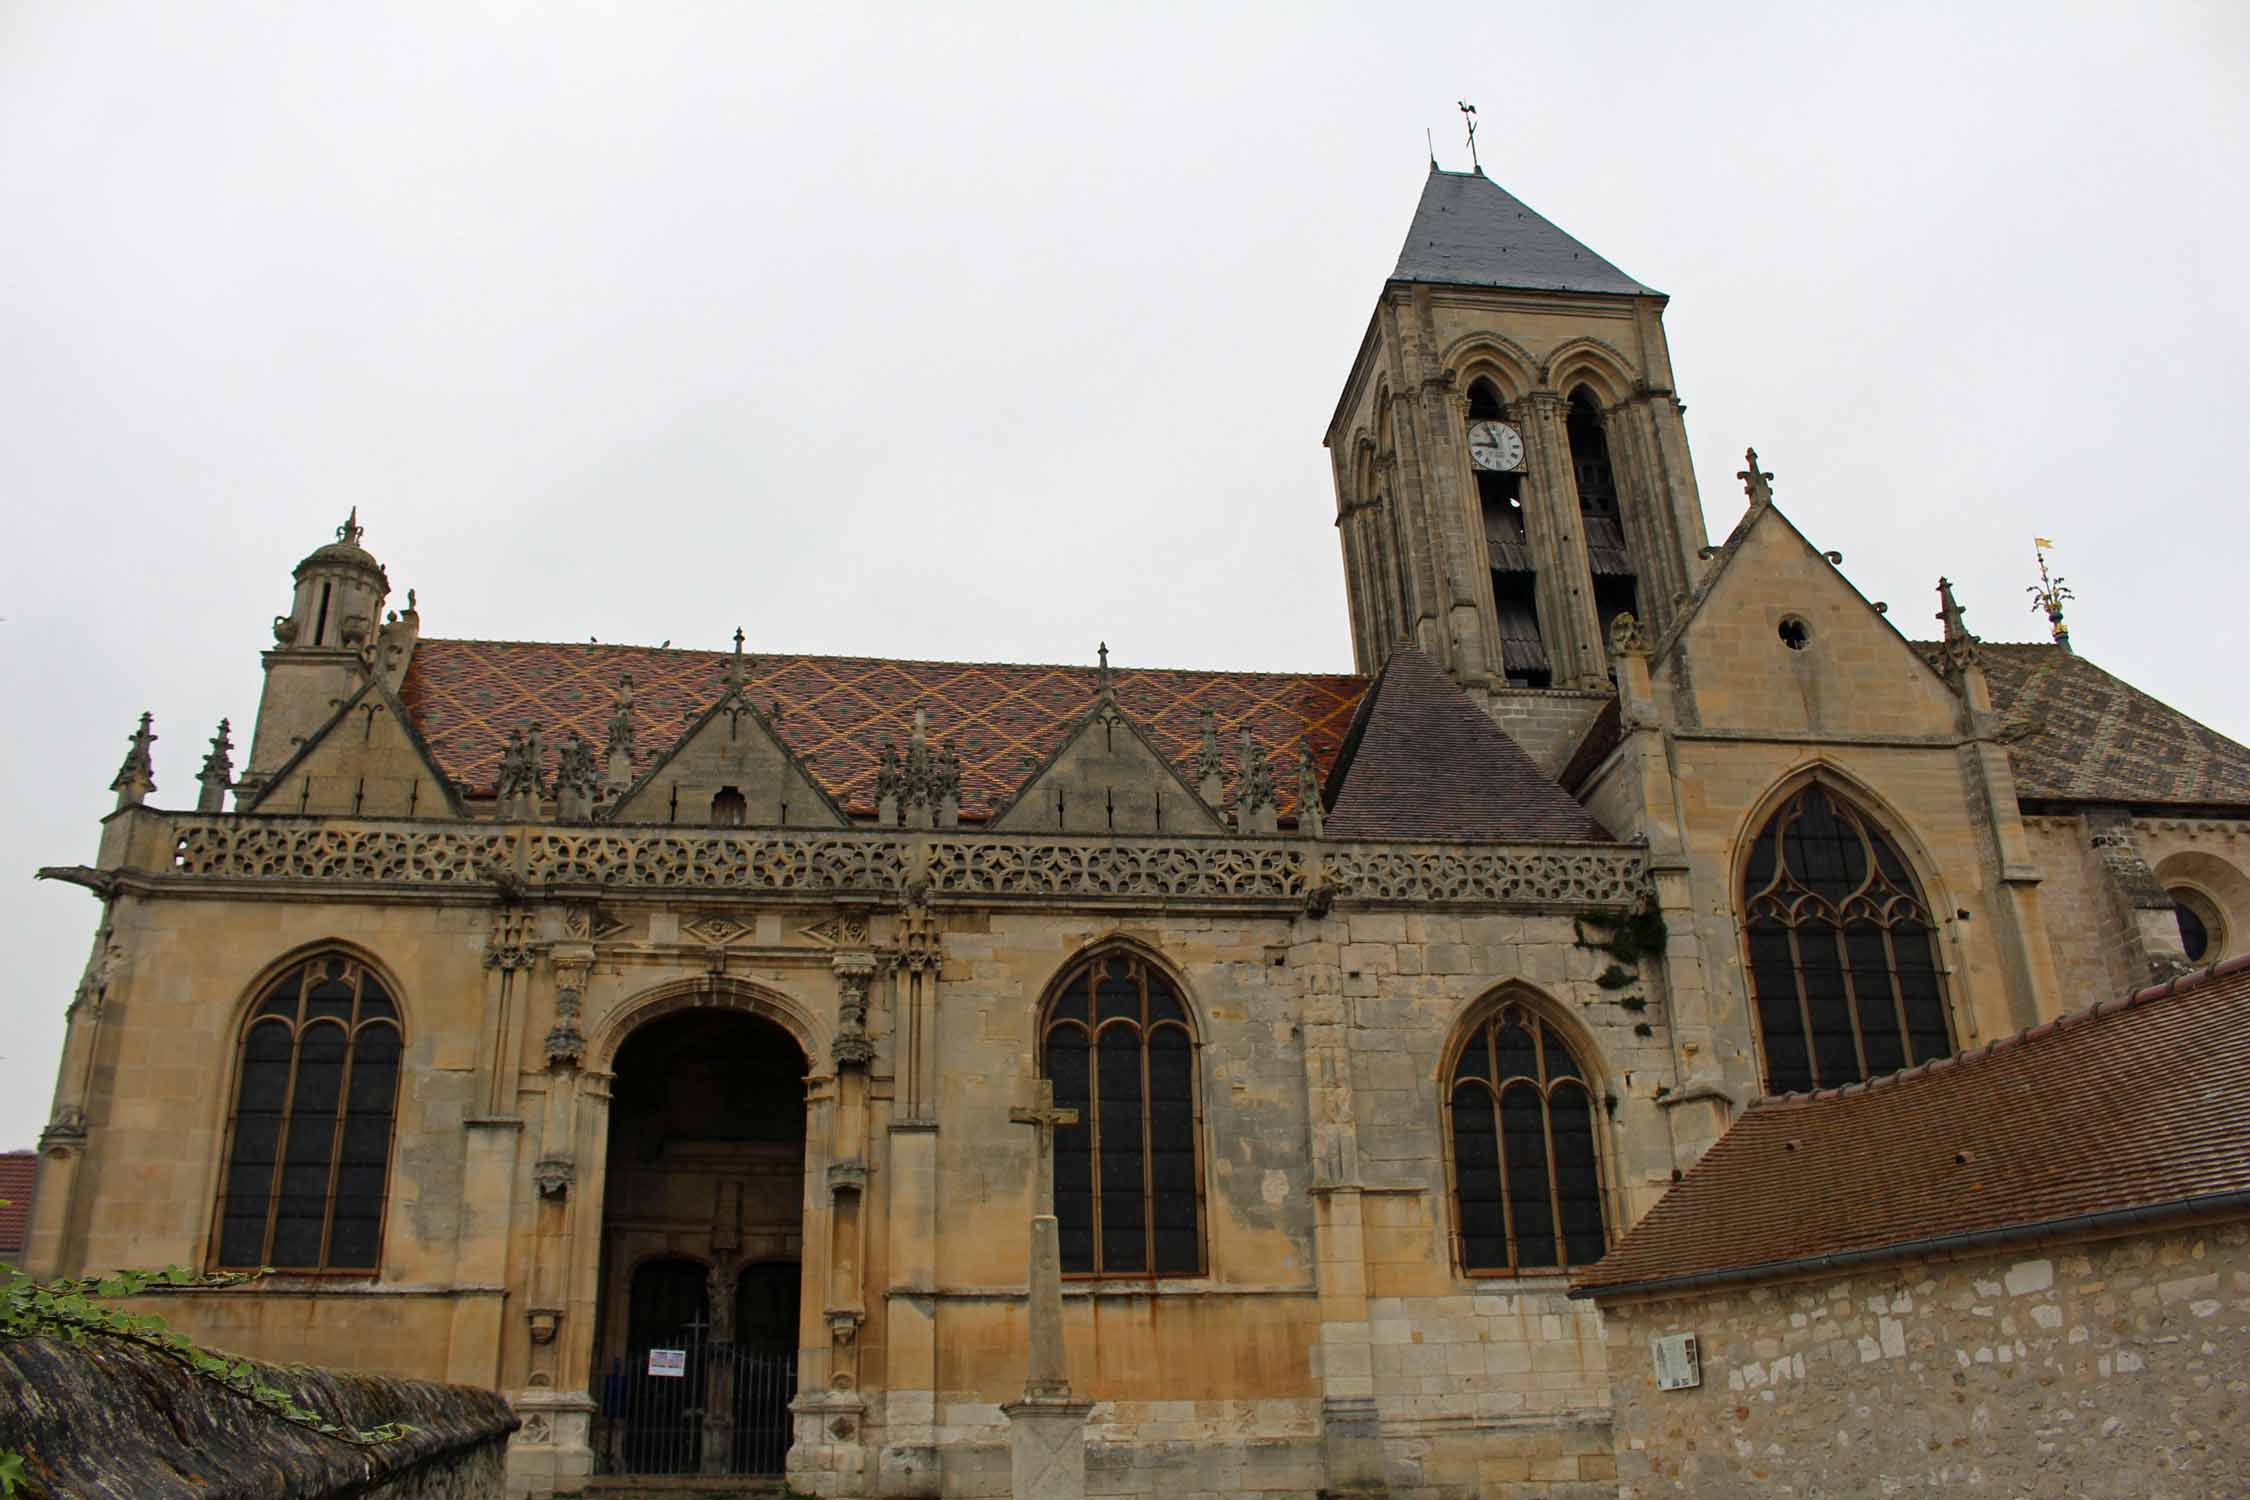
<point>74,1311</point>
<point>1628,938</point>
<point>13,1480</point>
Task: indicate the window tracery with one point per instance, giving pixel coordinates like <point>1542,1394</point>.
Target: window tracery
<point>1117,1044</point>
<point>1842,950</point>
<point>309,1142</point>
<point>1525,1165</point>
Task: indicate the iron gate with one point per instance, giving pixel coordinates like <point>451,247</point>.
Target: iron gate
<point>726,1412</point>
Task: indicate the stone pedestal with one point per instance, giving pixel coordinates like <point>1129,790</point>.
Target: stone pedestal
<point>1047,1448</point>
<point>552,1451</point>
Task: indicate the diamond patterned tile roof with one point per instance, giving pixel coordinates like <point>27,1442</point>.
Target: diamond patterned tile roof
<point>836,711</point>
<point>2136,1103</point>
<point>2085,736</point>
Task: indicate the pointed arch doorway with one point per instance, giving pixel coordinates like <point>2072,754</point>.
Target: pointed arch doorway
<point>702,1239</point>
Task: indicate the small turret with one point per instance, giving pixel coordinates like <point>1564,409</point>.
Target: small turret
<point>340,594</point>
<point>325,646</point>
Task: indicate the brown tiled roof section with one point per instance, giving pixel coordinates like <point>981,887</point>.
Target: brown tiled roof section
<point>2136,1103</point>
<point>836,711</point>
<point>2086,736</point>
<point>1429,764</point>
<point>19,1173</point>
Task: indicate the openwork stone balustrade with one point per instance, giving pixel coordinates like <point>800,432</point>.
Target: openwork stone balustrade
<point>883,863</point>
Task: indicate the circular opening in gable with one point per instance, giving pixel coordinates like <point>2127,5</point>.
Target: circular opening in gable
<point>1795,633</point>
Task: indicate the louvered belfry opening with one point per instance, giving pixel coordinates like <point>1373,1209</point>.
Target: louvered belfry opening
<point>1616,585</point>
<point>1117,1043</point>
<point>309,1143</point>
<point>1515,578</point>
<point>1525,1164</point>
<point>1842,951</point>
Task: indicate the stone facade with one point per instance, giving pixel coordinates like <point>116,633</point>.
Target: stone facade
<point>888,924</point>
<point>2111,1368</point>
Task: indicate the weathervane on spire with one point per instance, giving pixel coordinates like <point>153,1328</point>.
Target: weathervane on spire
<point>2048,594</point>
<point>1469,113</point>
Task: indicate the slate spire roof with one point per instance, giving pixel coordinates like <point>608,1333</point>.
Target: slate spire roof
<point>1470,231</point>
<point>1422,762</point>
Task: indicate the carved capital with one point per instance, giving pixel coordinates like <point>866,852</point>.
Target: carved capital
<point>843,1328</point>
<point>545,1323</point>
<point>554,1176</point>
<point>853,1051</point>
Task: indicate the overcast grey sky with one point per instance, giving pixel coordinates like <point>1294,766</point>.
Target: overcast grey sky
<point>990,332</point>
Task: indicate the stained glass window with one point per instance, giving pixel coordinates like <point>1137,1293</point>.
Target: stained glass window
<point>1118,1048</point>
<point>1843,954</point>
<point>1527,1189</point>
<point>309,1146</point>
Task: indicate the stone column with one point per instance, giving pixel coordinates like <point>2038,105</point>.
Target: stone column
<point>1557,535</point>
<point>62,1144</point>
<point>1046,1429</point>
<point>909,1464</point>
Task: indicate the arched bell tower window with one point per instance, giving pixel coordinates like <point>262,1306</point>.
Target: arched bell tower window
<point>1117,1044</point>
<point>729,809</point>
<point>309,1145</point>
<point>1526,1172</point>
<point>1843,954</point>
<point>1495,457</point>
<point>1616,586</point>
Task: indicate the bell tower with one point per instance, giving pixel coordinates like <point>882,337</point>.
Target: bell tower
<point>1510,463</point>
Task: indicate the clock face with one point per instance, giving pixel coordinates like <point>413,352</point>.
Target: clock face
<point>1495,445</point>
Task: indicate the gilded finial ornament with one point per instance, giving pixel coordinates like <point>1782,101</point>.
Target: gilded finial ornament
<point>2048,594</point>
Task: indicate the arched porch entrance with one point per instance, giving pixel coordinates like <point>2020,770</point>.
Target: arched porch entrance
<point>702,1239</point>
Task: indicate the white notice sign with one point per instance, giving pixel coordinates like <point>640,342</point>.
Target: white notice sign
<point>671,1362</point>
<point>1678,1366</point>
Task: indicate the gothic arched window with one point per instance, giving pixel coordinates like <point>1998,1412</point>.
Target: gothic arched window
<point>309,1145</point>
<point>1843,954</point>
<point>1527,1185</point>
<point>1116,1043</point>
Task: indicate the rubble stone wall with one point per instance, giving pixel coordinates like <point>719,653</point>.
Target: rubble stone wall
<point>2117,1367</point>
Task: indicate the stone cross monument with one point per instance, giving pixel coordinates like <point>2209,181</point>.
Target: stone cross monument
<point>1046,1429</point>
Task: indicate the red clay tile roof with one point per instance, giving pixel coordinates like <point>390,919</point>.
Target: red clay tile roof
<point>2136,1103</point>
<point>2091,737</point>
<point>836,711</point>
<point>1425,763</point>
<point>19,1173</point>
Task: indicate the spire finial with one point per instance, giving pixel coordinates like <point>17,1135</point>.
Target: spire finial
<point>351,531</point>
<point>1469,114</point>
<point>217,774</point>
<point>136,778</point>
<point>1103,679</point>
<point>1958,650</point>
<point>2048,594</point>
<point>1756,482</point>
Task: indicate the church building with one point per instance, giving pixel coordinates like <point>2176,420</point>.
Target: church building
<point>685,1042</point>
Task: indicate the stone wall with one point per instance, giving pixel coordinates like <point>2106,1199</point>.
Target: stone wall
<point>107,1418</point>
<point>2117,1367</point>
<point>1547,722</point>
<point>2083,927</point>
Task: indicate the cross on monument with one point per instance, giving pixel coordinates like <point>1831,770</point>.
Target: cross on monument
<point>1755,482</point>
<point>1045,1119</point>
